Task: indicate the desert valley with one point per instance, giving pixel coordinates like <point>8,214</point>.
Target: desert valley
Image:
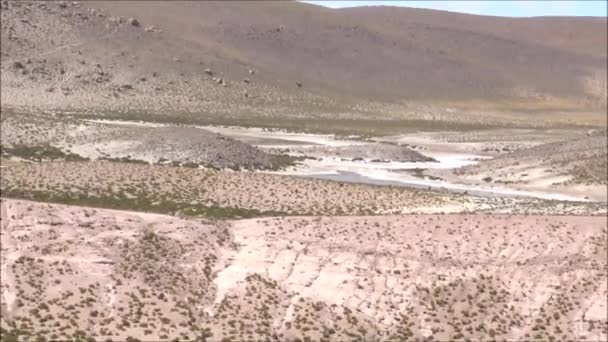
<point>281,171</point>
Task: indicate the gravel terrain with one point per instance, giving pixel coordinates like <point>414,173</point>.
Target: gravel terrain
<point>183,145</point>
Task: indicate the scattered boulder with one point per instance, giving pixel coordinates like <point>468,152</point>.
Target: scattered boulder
<point>133,22</point>
<point>63,4</point>
<point>126,86</point>
<point>246,81</point>
<point>251,72</point>
<point>208,72</point>
<point>299,84</point>
<point>591,132</point>
<point>18,65</point>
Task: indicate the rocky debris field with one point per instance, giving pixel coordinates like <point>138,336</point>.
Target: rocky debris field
<point>181,145</point>
<point>73,272</point>
<point>30,135</point>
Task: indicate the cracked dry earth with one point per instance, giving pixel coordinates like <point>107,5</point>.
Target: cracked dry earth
<point>70,272</point>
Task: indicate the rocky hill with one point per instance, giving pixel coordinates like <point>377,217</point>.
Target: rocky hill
<point>292,60</point>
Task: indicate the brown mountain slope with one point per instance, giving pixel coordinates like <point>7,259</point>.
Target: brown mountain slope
<point>378,61</point>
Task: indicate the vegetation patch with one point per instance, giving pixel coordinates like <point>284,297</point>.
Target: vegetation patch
<point>39,153</point>
<point>127,159</point>
<point>122,201</point>
<point>364,128</point>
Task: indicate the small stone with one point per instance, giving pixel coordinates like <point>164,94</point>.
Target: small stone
<point>133,22</point>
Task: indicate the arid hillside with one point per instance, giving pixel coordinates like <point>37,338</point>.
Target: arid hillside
<point>578,165</point>
<point>240,59</point>
<point>80,273</point>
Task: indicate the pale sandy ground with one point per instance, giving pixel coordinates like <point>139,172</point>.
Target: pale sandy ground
<point>530,179</point>
<point>144,142</point>
<point>451,150</point>
<point>392,277</point>
<point>333,157</point>
<point>526,176</point>
<point>574,166</point>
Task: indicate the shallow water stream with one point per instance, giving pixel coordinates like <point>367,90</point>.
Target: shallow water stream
<point>366,171</point>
